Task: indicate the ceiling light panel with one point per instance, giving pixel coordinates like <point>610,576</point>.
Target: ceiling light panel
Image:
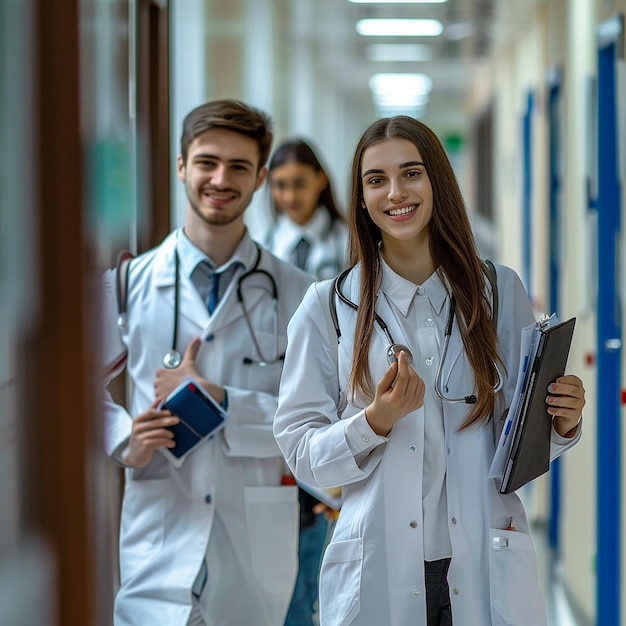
<point>398,1</point>
<point>399,27</point>
<point>401,85</point>
<point>399,52</point>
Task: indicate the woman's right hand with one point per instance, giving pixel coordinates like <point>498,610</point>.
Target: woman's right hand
<point>398,392</point>
<point>148,433</point>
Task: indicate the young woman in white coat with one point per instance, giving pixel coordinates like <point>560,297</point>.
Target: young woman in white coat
<point>305,212</point>
<point>413,542</point>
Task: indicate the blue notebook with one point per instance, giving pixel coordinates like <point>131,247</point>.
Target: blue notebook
<point>200,417</point>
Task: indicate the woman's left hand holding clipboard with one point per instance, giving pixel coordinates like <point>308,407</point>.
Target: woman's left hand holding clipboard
<point>566,405</point>
<point>398,392</point>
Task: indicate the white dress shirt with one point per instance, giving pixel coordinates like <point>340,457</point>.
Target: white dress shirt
<point>328,239</point>
<point>421,311</point>
<point>192,260</point>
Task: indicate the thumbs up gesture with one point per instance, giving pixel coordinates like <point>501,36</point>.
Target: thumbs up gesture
<point>167,380</point>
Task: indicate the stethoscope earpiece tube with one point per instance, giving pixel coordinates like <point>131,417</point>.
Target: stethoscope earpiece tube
<point>121,289</point>
<point>174,358</point>
<point>262,361</point>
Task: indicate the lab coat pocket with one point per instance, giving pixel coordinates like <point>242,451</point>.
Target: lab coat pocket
<point>516,599</point>
<point>272,521</point>
<point>340,582</point>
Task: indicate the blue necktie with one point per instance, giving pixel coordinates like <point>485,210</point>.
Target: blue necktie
<point>302,253</point>
<point>214,292</point>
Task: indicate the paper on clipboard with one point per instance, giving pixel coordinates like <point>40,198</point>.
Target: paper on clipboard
<point>529,341</point>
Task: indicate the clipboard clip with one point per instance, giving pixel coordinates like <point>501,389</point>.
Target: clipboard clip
<point>544,321</point>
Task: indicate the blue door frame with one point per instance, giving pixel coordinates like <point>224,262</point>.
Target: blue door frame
<point>527,181</point>
<point>609,553</point>
<point>554,130</point>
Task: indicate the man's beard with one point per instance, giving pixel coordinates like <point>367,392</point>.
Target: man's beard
<point>222,219</point>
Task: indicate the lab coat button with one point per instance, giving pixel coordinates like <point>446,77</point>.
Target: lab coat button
<point>209,337</point>
<point>429,360</point>
<point>413,524</point>
<point>207,498</point>
<point>420,290</point>
<point>416,593</point>
<point>365,438</point>
<point>412,447</point>
<point>455,591</point>
<point>429,322</point>
<point>454,520</point>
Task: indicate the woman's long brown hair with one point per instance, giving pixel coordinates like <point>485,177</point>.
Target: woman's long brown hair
<point>454,255</point>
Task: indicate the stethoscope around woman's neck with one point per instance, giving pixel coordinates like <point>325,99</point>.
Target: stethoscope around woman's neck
<point>394,348</point>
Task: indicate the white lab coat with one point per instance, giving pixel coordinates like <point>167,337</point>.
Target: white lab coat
<point>227,494</point>
<point>329,242</point>
<point>373,569</point>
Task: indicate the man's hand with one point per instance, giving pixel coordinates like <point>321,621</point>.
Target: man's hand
<point>168,379</point>
<point>148,433</point>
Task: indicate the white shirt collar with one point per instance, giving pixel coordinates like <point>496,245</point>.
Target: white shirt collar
<point>402,291</point>
<point>190,255</point>
<point>290,233</point>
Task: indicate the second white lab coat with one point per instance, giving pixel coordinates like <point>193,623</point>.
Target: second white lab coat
<point>328,238</point>
<point>227,496</point>
<point>373,569</point>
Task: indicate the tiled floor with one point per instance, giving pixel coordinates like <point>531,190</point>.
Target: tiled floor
<point>559,611</point>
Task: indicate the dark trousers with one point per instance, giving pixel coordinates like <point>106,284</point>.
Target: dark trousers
<point>438,609</point>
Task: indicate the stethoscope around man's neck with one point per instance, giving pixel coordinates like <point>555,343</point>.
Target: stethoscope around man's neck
<point>173,358</point>
<point>395,348</point>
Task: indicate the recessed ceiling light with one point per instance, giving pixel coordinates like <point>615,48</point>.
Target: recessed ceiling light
<point>399,52</point>
<point>400,85</point>
<point>399,28</point>
<point>398,1</point>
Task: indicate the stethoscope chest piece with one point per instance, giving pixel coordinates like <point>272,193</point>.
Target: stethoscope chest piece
<point>172,359</point>
<point>393,350</point>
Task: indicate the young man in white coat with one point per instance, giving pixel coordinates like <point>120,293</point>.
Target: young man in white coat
<point>209,538</point>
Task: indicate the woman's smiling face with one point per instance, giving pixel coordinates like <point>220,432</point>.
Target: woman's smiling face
<point>397,192</point>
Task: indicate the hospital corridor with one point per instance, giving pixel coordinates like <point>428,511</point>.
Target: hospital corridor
<point>120,507</point>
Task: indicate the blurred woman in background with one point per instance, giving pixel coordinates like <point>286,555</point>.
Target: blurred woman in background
<point>308,231</point>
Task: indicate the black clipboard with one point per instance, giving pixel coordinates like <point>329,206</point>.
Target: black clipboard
<point>529,454</point>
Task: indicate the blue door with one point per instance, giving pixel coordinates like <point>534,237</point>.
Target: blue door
<point>609,338</point>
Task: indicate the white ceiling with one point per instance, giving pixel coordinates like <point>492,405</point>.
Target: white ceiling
<point>470,29</point>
